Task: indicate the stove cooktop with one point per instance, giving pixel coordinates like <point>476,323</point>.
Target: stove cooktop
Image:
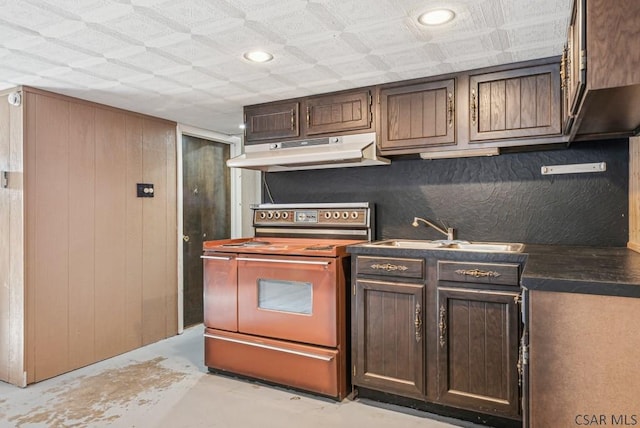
<point>284,246</point>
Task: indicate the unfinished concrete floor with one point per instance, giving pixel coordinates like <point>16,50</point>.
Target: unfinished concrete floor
<point>167,385</point>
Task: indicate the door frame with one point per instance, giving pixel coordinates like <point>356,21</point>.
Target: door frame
<point>245,190</point>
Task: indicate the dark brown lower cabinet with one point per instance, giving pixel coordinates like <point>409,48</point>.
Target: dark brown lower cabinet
<point>478,342</point>
<point>389,344</point>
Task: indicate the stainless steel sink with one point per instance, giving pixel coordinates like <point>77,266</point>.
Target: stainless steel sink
<point>498,247</point>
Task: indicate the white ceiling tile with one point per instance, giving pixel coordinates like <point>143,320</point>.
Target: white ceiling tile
<point>137,26</point>
<point>62,28</point>
<point>58,53</point>
<point>27,15</point>
<point>55,71</point>
<point>192,13</point>
<point>95,41</point>
<point>77,7</point>
<point>106,12</point>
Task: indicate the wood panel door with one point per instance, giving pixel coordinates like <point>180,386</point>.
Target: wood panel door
<point>517,103</point>
<point>206,190</point>
<point>271,121</point>
<point>478,350</point>
<point>419,115</point>
<point>338,113</point>
<point>389,345</point>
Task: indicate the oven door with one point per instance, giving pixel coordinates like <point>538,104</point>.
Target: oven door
<point>288,297</point>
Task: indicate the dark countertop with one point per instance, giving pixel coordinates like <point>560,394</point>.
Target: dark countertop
<point>608,271</point>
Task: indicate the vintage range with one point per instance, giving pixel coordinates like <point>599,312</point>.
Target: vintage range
<point>275,305</point>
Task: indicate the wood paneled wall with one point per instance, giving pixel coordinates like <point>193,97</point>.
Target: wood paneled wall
<point>634,194</point>
<point>583,359</point>
<point>100,264</point>
<point>11,249</point>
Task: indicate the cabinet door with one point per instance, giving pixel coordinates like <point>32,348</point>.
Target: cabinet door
<point>478,350</point>
<point>220,291</point>
<point>576,60</point>
<point>516,103</point>
<point>337,113</point>
<point>417,116</point>
<point>271,121</point>
<point>388,342</point>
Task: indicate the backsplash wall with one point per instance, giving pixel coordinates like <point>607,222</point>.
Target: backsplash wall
<point>500,198</point>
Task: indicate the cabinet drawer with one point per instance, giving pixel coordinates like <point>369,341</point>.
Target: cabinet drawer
<point>480,273</point>
<point>391,266</point>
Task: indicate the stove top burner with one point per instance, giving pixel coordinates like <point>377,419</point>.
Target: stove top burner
<point>320,247</point>
<point>247,244</point>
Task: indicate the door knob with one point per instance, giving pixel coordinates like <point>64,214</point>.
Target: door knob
<point>185,238</point>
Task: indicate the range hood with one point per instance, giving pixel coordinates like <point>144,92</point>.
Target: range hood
<point>316,153</point>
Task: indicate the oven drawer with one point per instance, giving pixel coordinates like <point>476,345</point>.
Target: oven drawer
<point>305,367</point>
<point>391,266</point>
<point>479,273</point>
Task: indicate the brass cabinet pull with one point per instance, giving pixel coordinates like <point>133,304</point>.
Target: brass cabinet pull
<point>388,267</point>
<point>519,366</point>
<point>293,119</point>
<point>450,110</point>
<point>563,69</point>
<point>308,116</point>
<point>442,325</point>
<point>473,106</point>
<point>418,322</point>
<point>477,273</point>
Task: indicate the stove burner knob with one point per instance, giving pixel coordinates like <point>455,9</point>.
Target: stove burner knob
<point>327,214</point>
<point>285,215</point>
<point>263,214</point>
<point>270,214</point>
<point>354,215</point>
<point>336,215</point>
<point>277,214</point>
<point>345,215</point>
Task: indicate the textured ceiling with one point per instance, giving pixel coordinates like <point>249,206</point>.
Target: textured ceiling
<point>182,59</point>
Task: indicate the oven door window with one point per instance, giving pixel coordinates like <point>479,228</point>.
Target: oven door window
<point>285,296</point>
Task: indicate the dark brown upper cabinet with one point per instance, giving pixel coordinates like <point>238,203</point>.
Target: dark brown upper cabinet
<point>417,115</point>
<point>338,112</point>
<point>602,70</point>
<point>272,121</point>
<point>518,103</point>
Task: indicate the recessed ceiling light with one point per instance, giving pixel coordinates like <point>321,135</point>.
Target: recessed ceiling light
<point>258,56</point>
<point>436,17</point>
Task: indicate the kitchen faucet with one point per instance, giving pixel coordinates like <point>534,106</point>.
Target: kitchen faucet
<point>450,232</point>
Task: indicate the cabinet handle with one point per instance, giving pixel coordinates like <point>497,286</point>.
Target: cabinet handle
<point>450,110</point>
<point>563,69</point>
<point>519,365</point>
<point>442,325</point>
<point>473,106</point>
<point>293,119</point>
<point>477,273</point>
<point>388,267</point>
<point>308,116</point>
<point>418,322</point>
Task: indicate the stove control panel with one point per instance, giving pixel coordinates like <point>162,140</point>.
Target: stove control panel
<point>310,217</point>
